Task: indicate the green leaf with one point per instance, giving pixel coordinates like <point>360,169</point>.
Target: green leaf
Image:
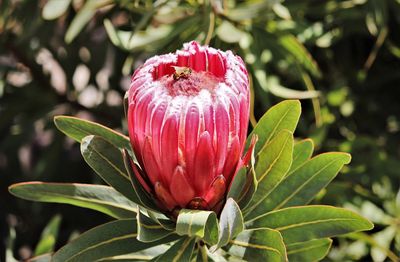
<point>284,115</point>
<point>300,187</point>
<point>100,198</point>
<point>181,251</point>
<point>230,223</point>
<point>273,163</point>
<point>313,250</point>
<point>300,53</point>
<point>302,152</point>
<point>249,10</point>
<point>148,230</point>
<point>144,255</point>
<point>244,183</point>
<point>55,8</point>
<point>107,161</point>
<point>198,223</point>
<point>83,17</point>
<point>228,33</point>
<point>162,220</point>
<point>261,244</point>
<point>77,129</point>
<point>41,258</point>
<point>272,84</point>
<point>143,197</point>
<point>49,237</point>
<point>110,239</point>
<point>304,223</point>
<point>243,187</point>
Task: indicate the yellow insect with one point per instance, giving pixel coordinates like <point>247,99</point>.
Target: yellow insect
<point>181,72</point>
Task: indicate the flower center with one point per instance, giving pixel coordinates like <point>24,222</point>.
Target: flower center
<point>189,84</point>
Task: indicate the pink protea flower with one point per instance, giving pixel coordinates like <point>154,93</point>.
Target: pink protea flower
<point>188,116</point>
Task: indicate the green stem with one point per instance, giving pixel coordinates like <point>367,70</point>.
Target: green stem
<point>203,250</point>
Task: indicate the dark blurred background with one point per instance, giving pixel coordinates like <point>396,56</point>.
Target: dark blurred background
<point>75,57</point>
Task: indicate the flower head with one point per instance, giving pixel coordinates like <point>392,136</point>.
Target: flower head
<point>188,116</point>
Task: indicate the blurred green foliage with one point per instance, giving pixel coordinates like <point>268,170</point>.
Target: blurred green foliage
<point>75,57</point>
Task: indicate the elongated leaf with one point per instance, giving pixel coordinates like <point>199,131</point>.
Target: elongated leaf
<point>198,223</point>
<point>300,53</point>
<point>302,152</point>
<point>48,237</point>
<point>107,161</point>
<point>110,239</point>
<point>144,255</point>
<point>83,17</point>
<point>162,220</point>
<point>249,10</point>
<point>230,223</point>
<point>41,258</point>
<point>284,115</point>
<point>77,129</point>
<point>313,250</point>
<point>262,244</point>
<point>300,187</point>
<point>240,183</point>
<point>148,230</point>
<point>299,224</point>
<point>181,251</point>
<point>144,198</point>
<point>245,183</point>
<point>100,198</point>
<point>273,163</point>
<point>55,8</point>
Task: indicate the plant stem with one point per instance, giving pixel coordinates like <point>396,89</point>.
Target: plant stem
<point>203,250</point>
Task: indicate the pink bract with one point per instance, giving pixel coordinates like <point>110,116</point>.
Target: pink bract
<point>188,132</point>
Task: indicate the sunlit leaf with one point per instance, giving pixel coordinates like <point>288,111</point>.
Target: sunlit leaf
<point>110,239</point>
<point>181,251</point>
<point>198,223</point>
<point>313,250</point>
<point>272,165</point>
<point>304,223</point>
<point>301,186</point>
<point>77,129</point>
<point>261,244</point>
<point>83,17</point>
<point>284,115</point>
<point>97,197</point>
<point>55,8</point>
<point>148,230</point>
<point>230,223</point>
<point>302,151</point>
<point>48,237</point>
<point>107,161</point>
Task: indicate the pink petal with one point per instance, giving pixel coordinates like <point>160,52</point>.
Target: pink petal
<point>222,129</point>
<point>149,161</point>
<point>169,148</point>
<point>198,60</point>
<point>216,192</point>
<point>244,118</point>
<point>164,196</point>
<point>232,159</point>
<point>247,156</point>
<point>182,60</point>
<point>216,64</point>
<point>203,164</point>
<point>156,124</point>
<point>191,135</point>
<point>234,115</point>
<point>140,176</point>
<point>180,188</point>
<point>208,113</point>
